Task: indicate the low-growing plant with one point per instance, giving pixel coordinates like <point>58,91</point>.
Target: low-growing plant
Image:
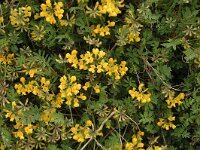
<point>107,74</point>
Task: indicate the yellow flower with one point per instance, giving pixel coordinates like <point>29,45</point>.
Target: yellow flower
<point>6,57</point>
<point>171,101</point>
<point>13,104</point>
<point>111,24</point>
<point>140,87</point>
<point>101,54</point>
<point>48,11</point>
<point>72,79</point>
<point>36,16</point>
<point>97,88</point>
<point>139,95</point>
<point>32,72</point>
<point>20,17</point>
<point>140,145</point>
<point>1,19</point>
<point>166,123</point>
<point>111,7</point>
<point>160,123</point>
<point>58,11</point>
<point>133,37</point>
<point>27,11</point>
<point>99,68</point>
<point>172,125</point>
<point>88,123</point>
<point>92,68</point>
<point>171,118</point>
<point>81,96</point>
<point>95,51</point>
<point>86,86</point>
<point>19,134</point>
<point>47,115</point>
<point>76,102</point>
<point>29,129</point>
<point>129,146</point>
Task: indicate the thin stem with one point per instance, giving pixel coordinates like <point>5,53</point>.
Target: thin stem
<point>155,71</point>
<point>163,137</point>
<point>120,134</point>
<point>86,144</point>
<point>99,144</point>
<point>133,121</point>
<point>71,114</point>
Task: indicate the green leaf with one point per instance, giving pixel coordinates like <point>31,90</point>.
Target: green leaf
<point>30,116</point>
<point>6,136</point>
<point>172,43</point>
<point>164,72</point>
<point>52,147</point>
<point>58,118</point>
<point>190,54</point>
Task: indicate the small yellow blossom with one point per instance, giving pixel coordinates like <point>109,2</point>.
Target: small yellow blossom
<point>136,142</point>
<point>13,104</point>
<point>19,134</point>
<point>29,129</point>
<point>139,95</point>
<point>6,57</point>
<point>111,24</point>
<point>1,19</point>
<point>97,88</point>
<point>171,101</point>
<point>48,11</point>
<point>89,123</point>
<point>86,86</point>
<point>20,17</point>
<point>166,123</point>
<point>111,7</point>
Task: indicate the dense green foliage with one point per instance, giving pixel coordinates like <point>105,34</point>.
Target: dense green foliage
<point>107,74</point>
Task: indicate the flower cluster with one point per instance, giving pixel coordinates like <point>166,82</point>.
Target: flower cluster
<point>133,26</point>
<point>95,63</point>
<point>29,70</point>
<point>111,7</point>
<point>166,123</point>
<point>14,115</point>
<point>48,11</point>
<point>136,142</point>
<point>96,87</point>
<point>171,102</point>
<point>140,94</point>
<point>81,133</point>
<point>102,30</point>
<point>21,130</point>
<point>70,90</point>
<point>5,56</point>
<point>41,90</point>
<point>47,115</point>
<point>20,17</point>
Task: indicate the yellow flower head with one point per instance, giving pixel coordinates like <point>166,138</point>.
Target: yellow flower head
<point>1,19</point>
<point>48,11</point>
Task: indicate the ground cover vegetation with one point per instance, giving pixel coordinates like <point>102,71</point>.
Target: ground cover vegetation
<point>107,74</point>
